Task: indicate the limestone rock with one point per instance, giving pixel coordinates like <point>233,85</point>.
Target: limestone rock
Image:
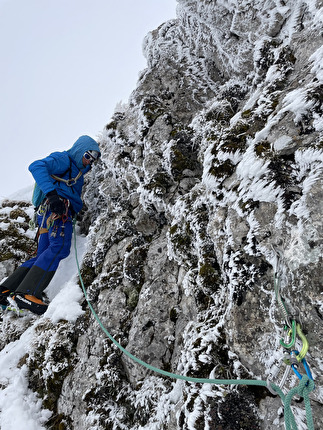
<point>210,186</point>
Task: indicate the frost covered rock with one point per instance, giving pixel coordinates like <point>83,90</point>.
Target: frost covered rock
<point>16,242</point>
<point>210,186</point>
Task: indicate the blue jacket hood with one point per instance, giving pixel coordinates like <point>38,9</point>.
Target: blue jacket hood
<point>83,144</point>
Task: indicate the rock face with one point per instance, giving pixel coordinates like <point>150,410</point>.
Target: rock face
<point>210,185</point>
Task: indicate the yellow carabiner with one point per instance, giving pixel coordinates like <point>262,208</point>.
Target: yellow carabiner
<point>305,345</point>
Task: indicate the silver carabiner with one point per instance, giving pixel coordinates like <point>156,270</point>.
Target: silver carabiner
<point>71,182</point>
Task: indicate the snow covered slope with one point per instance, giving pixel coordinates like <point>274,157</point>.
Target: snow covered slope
<point>20,406</point>
<point>210,183</point>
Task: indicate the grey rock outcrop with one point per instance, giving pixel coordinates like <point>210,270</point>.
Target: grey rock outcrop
<point>210,184</point>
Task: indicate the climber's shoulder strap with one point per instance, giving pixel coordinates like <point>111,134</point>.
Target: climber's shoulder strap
<point>70,181</point>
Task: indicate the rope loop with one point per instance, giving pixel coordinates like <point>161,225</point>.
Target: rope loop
<point>305,386</point>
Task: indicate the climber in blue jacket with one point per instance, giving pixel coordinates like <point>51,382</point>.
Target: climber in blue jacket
<point>57,196</point>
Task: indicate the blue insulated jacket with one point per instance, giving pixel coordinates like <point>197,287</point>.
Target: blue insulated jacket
<point>66,165</point>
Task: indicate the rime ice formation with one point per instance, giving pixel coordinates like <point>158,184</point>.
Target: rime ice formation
<point>210,183</point>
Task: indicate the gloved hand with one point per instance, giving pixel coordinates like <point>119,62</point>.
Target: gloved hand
<point>56,205</point>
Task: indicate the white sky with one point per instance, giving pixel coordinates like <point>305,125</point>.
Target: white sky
<point>64,66</point>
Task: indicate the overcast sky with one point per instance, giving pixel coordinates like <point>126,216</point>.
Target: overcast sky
<point>65,64</point>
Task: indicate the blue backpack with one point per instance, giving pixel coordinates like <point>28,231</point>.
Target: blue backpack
<point>38,196</point>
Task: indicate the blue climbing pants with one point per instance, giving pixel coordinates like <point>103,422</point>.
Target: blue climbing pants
<point>54,244</point>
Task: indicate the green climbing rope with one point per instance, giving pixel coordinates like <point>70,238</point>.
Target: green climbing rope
<point>303,389</point>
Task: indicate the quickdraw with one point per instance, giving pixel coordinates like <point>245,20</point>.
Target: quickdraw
<point>293,333</point>
<point>296,330</point>
<point>293,357</point>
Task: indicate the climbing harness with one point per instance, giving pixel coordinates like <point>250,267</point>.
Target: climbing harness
<point>305,387</point>
<point>42,211</point>
<point>53,217</point>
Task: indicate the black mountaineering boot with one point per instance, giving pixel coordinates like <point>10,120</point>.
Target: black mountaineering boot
<point>28,295</point>
<point>25,301</point>
<point>4,293</point>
